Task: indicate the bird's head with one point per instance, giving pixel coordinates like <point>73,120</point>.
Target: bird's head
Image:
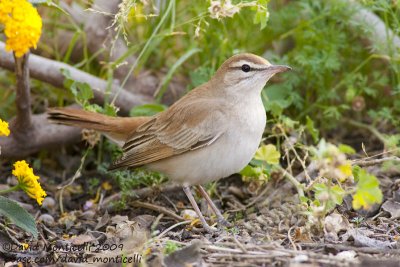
<point>247,72</point>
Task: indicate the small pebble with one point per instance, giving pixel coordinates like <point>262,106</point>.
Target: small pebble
<point>47,219</point>
<point>346,255</point>
<point>49,203</point>
<point>89,214</point>
<point>189,214</point>
<point>300,258</point>
<point>124,231</point>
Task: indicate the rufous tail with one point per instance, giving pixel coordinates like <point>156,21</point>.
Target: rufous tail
<point>117,128</point>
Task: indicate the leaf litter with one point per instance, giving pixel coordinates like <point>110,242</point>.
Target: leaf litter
<point>271,227</point>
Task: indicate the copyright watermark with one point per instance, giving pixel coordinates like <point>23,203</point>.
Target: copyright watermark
<point>86,247</point>
<point>69,253</point>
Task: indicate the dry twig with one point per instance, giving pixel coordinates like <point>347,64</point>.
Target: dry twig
<point>43,135</point>
<point>104,41</point>
<point>49,71</point>
<point>141,193</point>
<point>158,209</point>
<point>372,162</point>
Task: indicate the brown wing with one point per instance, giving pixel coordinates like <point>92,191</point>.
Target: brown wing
<point>179,129</point>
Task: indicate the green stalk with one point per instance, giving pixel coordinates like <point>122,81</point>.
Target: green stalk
<point>293,180</point>
<point>142,52</point>
<point>9,190</point>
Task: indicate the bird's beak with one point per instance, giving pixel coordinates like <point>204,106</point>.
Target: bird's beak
<point>277,69</point>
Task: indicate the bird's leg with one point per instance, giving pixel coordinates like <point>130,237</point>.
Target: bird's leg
<point>220,218</point>
<point>188,193</point>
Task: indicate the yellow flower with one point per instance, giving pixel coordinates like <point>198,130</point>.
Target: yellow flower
<point>28,181</point>
<point>22,25</point>
<point>106,186</point>
<point>4,128</point>
<point>346,171</point>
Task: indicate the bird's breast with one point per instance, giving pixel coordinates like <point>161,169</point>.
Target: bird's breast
<point>229,154</point>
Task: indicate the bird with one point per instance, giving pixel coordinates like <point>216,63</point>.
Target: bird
<point>210,133</point>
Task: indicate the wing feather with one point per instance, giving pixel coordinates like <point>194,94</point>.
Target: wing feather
<point>179,129</point>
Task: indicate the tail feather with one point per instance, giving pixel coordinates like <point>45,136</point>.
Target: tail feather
<point>82,118</point>
<point>117,128</point>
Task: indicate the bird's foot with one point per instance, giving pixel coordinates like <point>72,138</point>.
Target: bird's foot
<point>210,229</point>
<point>223,222</point>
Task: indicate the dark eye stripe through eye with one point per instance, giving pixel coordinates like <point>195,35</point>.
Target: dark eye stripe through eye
<point>251,69</point>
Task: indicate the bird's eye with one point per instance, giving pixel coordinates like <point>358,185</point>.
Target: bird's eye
<point>245,68</point>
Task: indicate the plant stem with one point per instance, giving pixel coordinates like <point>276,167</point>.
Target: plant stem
<point>370,128</point>
<point>142,52</point>
<point>76,175</point>
<point>9,190</point>
<point>297,184</point>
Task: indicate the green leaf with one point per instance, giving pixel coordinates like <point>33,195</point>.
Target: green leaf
<point>337,193</point>
<point>304,199</point>
<point>262,15</point>
<point>171,247</point>
<point>201,75</point>
<point>250,171</point>
<point>311,129</point>
<point>268,153</point>
<point>110,110</point>
<point>85,92</point>
<point>346,149</point>
<point>275,107</point>
<point>276,99</point>
<point>72,87</point>
<point>331,196</point>
<point>351,92</point>
<point>392,141</point>
<point>68,80</point>
<point>172,70</point>
<point>81,91</point>
<point>147,110</point>
<point>288,122</point>
<point>368,191</point>
<point>332,112</point>
<point>18,215</point>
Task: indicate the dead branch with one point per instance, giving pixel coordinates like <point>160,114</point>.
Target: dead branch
<point>380,33</point>
<point>49,71</point>
<point>102,38</point>
<point>23,121</point>
<point>75,10</point>
<point>31,133</point>
<point>42,135</point>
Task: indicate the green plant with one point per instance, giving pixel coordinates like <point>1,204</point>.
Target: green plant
<point>335,74</point>
<point>18,215</point>
<point>334,179</point>
<point>82,93</point>
<point>170,247</point>
<point>266,158</point>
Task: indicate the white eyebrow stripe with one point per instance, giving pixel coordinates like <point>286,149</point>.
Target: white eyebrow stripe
<point>251,64</point>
